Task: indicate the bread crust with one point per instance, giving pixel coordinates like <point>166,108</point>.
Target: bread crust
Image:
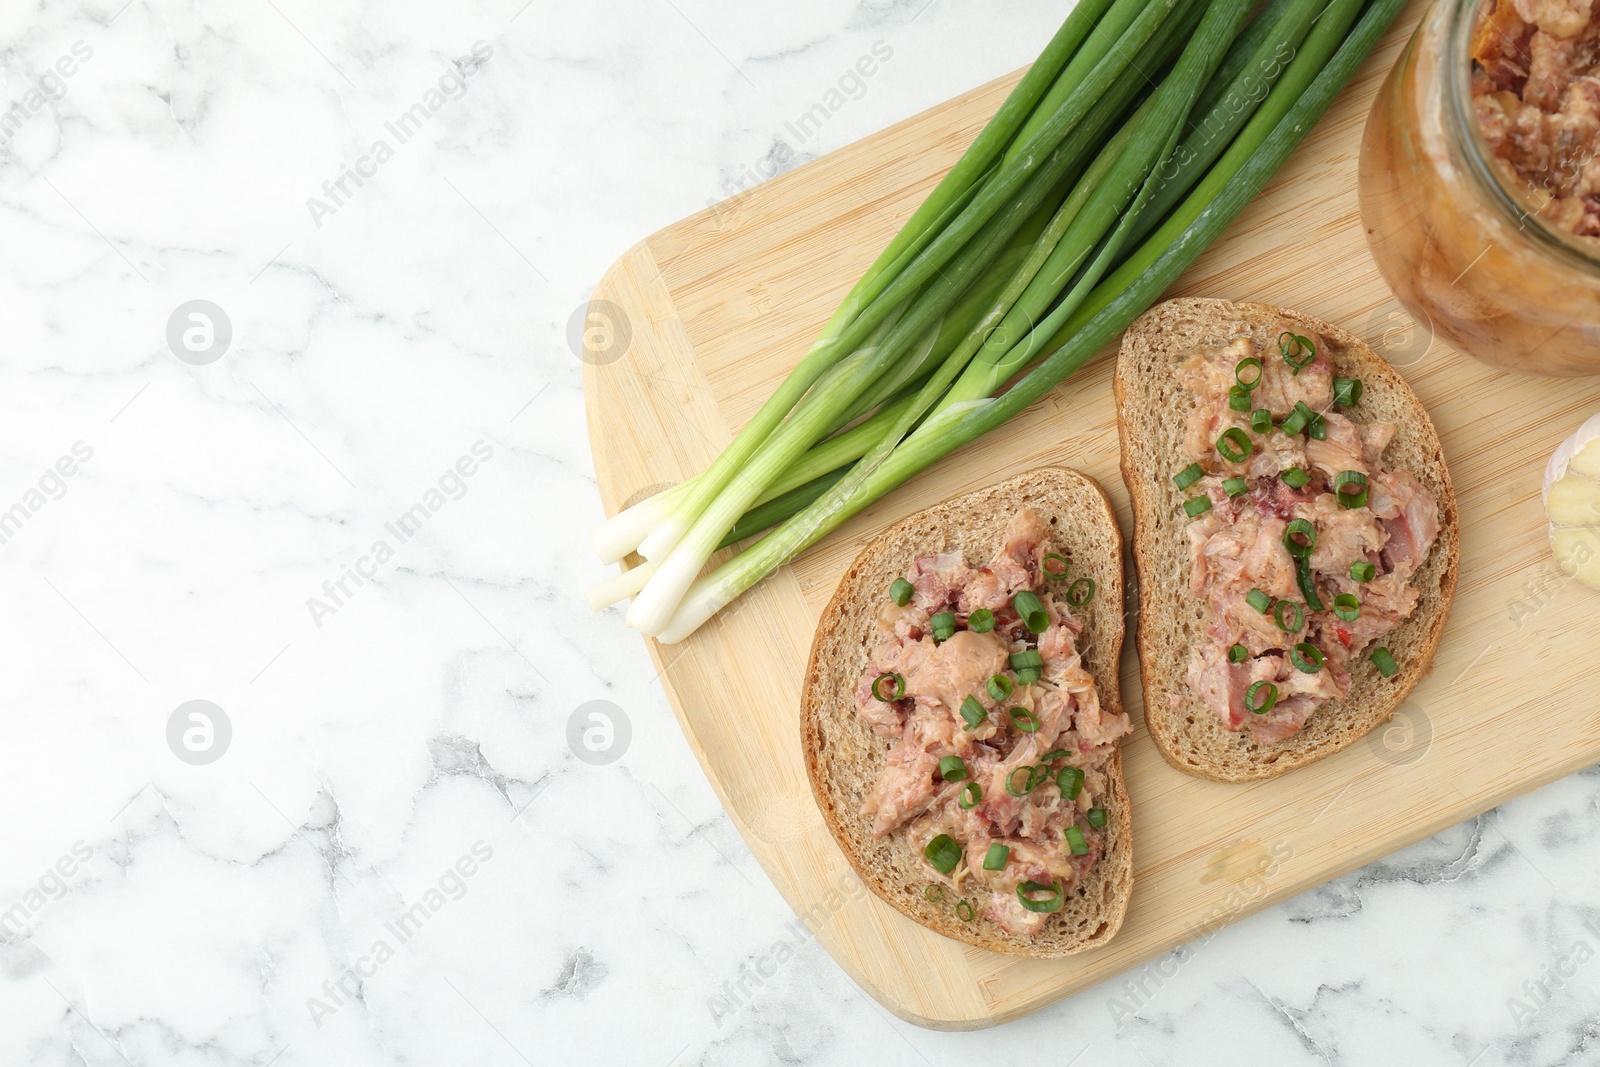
<point>1152,412</point>
<point>843,756</point>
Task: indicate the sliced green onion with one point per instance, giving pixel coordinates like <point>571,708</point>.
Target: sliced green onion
<point>1362,571</point>
<point>1259,600</point>
<point>934,893</point>
<point>1297,351</point>
<point>1070,781</point>
<point>1297,529</point>
<point>1347,607</point>
<point>1238,654</point>
<point>1234,445</point>
<point>900,592</point>
<point>999,687</point>
<point>1239,398</point>
<point>971,793</point>
<point>1031,611</point>
<point>1028,664</point>
<point>1235,486</point>
<point>1295,478</point>
<point>1261,420</point>
<point>1306,657</point>
<point>1075,841</point>
<point>1026,659</point>
<point>1297,419</point>
<point>1057,572</point>
<point>964,911</point>
<point>943,626</point>
<point>995,858</point>
<point>1027,783</point>
<point>897,687</point>
<point>1097,818</point>
<point>1197,506</point>
<point>1266,702</point>
<point>1026,891</point>
<point>981,621</point>
<point>1307,583</point>
<point>1054,753</point>
<point>1080,592</point>
<point>952,768</point>
<point>1249,367</point>
<point>1356,499</point>
<point>943,853</point>
<point>1347,392</point>
<point>1383,659</point>
<point>1024,720</point>
<point>1189,475</point>
<point>972,712</point>
<point>1318,430</point>
<point>1286,627</point>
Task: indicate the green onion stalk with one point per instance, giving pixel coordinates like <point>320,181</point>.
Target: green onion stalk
<point>933,281</point>
<point>979,315</point>
<point>822,465</point>
<point>1329,57</point>
<point>656,602</point>
<point>1151,132</point>
<point>1247,75</point>
<point>1234,96</point>
<point>847,443</point>
<point>1157,130</point>
<point>818,471</point>
<point>1080,223</point>
<point>658,526</point>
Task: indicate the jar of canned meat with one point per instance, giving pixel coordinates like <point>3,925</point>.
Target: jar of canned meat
<point>1480,181</point>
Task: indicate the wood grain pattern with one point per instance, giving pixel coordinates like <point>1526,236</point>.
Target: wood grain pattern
<point>723,303</point>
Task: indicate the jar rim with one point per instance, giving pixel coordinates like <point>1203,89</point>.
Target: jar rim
<point>1474,150</point>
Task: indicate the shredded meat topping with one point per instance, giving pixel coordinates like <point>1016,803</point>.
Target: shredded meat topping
<point>1536,92</point>
<point>1058,715</point>
<point>1241,545</point>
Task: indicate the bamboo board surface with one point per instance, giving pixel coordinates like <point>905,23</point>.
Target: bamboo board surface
<point>720,305</point>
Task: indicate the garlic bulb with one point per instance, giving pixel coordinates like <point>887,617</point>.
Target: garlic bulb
<point>1572,503</point>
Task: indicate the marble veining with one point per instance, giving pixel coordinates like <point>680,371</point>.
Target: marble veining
<point>345,509</point>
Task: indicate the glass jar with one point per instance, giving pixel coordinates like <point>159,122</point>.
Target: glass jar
<point>1458,247</point>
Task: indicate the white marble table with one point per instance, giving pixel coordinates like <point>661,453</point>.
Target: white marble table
<point>345,508</point>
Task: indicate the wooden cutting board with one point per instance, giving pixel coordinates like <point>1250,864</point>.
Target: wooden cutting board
<point>708,315</point>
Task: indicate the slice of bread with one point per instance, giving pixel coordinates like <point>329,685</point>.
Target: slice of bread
<point>1153,409</point>
<point>844,757</point>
